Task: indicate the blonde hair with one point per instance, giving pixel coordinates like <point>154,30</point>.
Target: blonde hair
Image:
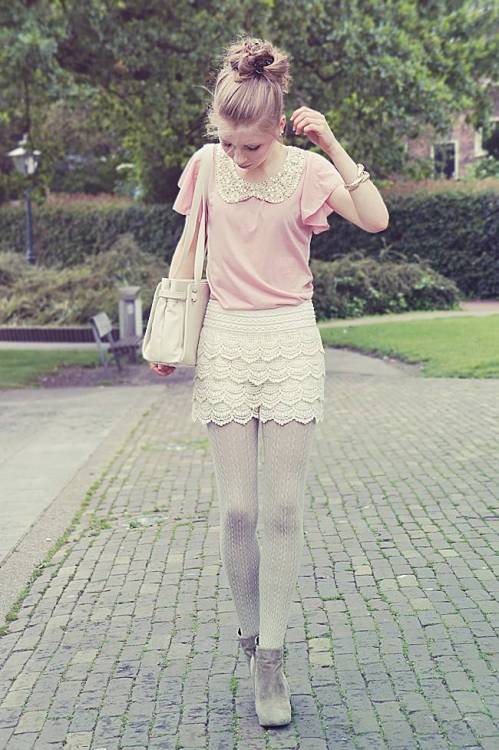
<point>250,86</point>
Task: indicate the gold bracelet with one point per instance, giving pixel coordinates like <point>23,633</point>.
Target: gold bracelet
<point>362,176</point>
<point>360,170</point>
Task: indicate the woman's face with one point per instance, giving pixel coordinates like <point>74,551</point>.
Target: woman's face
<point>247,145</point>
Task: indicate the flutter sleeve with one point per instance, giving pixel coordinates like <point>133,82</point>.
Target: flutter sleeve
<point>187,183</point>
<point>321,178</point>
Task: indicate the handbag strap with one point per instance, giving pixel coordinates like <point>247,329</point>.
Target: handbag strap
<point>199,201</point>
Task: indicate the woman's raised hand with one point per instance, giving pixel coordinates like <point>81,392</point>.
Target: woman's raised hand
<point>161,369</point>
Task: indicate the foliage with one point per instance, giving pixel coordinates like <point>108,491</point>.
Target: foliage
<point>353,286</point>
<point>81,149</point>
<point>131,80</point>
<point>379,70</point>
<point>13,267</point>
<point>87,200</point>
<point>44,295</point>
<point>30,78</point>
<point>454,232</point>
<point>65,234</point>
<point>485,166</point>
<point>465,184</point>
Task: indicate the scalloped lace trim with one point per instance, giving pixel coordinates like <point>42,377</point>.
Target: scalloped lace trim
<point>281,417</point>
<point>264,351</point>
<point>235,381</point>
<point>223,372</point>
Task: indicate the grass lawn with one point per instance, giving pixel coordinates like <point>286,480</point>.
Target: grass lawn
<point>20,368</point>
<point>457,347</point>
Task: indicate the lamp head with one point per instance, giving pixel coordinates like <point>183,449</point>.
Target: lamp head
<point>25,159</point>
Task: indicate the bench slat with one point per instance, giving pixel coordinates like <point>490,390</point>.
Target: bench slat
<point>123,343</point>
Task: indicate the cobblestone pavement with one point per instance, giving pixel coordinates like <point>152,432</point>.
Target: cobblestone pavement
<point>127,638</point>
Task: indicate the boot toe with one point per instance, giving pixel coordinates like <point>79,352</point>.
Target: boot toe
<point>275,718</point>
<point>272,693</point>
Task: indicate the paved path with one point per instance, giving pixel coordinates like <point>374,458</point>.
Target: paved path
<point>126,639</point>
<point>46,438</point>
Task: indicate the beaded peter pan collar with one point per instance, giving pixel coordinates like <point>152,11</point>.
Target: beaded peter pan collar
<point>274,189</point>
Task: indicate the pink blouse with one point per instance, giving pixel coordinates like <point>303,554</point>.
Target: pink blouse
<point>258,233</point>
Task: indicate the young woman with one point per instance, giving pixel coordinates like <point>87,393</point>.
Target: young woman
<point>260,364</point>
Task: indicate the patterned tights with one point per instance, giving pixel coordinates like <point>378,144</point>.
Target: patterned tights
<point>262,577</point>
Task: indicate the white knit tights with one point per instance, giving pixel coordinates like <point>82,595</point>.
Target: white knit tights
<point>262,577</point>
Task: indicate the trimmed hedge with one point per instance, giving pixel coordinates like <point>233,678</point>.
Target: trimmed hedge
<point>65,236</point>
<point>456,233</point>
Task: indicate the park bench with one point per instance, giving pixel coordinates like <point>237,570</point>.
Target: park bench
<point>103,332</point>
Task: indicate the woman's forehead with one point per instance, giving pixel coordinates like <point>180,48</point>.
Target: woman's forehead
<point>243,133</point>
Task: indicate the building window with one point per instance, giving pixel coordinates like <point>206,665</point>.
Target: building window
<point>478,145</point>
<point>445,159</point>
<point>491,143</point>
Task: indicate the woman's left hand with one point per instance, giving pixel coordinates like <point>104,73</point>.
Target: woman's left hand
<point>314,125</point>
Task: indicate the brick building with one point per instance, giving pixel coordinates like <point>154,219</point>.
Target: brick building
<point>452,156</point>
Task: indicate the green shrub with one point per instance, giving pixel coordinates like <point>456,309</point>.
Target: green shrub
<point>13,266</point>
<point>354,286</point>
<point>41,295</point>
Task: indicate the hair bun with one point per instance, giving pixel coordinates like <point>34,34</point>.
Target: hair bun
<point>260,62</point>
<point>251,57</point>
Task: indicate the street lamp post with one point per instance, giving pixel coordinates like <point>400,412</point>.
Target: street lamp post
<point>26,161</point>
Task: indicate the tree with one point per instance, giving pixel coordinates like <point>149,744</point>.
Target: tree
<point>30,79</point>
<point>380,70</point>
<point>153,63</point>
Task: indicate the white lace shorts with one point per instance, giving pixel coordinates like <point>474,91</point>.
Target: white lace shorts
<point>266,363</point>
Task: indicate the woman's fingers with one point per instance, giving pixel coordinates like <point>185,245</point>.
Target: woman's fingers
<point>161,369</point>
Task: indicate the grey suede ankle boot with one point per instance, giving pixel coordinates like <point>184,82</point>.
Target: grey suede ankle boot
<point>272,691</point>
<point>248,643</point>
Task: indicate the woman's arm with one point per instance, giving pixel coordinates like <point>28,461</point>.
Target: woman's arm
<point>363,206</point>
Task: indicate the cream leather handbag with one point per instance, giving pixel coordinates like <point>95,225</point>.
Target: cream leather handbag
<point>179,305</point>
